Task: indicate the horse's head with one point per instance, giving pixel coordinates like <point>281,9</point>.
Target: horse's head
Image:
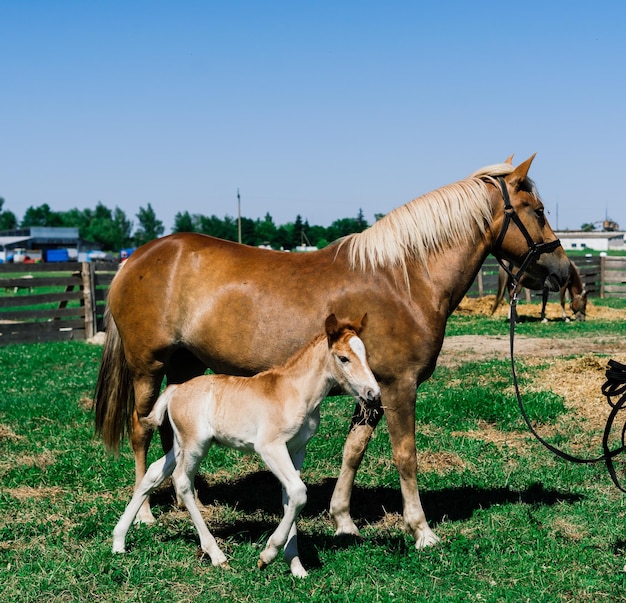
<point>522,234</point>
<point>578,305</point>
<point>349,360</point>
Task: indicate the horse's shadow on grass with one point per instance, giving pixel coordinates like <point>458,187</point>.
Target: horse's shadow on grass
<point>259,493</point>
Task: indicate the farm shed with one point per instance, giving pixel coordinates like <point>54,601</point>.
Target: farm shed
<point>42,239</point>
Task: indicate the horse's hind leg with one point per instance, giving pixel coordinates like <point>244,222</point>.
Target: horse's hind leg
<point>363,424</point>
<point>146,392</point>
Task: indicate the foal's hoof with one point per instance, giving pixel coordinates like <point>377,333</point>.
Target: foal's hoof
<point>426,540</point>
<point>261,564</point>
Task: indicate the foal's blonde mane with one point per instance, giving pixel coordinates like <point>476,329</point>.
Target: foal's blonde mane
<point>451,216</point>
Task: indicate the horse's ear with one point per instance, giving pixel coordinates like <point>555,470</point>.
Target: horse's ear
<point>509,160</point>
<point>520,173</point>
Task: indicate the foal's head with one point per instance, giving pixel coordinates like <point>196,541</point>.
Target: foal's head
<point>349,359</point>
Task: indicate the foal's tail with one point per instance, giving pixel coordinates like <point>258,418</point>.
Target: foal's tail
<point>114,398</point>
<point>503,279</point>
<point>157,416</point>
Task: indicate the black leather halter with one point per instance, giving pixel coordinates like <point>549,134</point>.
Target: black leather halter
<point>534,249</point>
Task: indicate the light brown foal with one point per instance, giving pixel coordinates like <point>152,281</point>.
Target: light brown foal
<point>274,413</point>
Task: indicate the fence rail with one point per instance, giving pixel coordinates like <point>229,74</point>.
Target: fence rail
<point>60,301</point>
<point>52,301</point>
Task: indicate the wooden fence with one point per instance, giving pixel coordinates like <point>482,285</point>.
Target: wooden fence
<point>52,301</point>
<point>58,301</point>
<point>602,276</point>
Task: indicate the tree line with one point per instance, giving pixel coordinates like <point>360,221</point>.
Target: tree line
<point>113,230</point>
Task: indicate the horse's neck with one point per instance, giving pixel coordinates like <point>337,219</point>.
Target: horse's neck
<point>575,283</point>
<point>448,275</point>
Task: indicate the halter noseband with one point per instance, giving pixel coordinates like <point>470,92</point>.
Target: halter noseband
<point>534,249</point>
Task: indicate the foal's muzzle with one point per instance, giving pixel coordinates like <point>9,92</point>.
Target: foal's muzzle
<point>370,397</point>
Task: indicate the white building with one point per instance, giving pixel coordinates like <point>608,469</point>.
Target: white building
<point>576,240</point>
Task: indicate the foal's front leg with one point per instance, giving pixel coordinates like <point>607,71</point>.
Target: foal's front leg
<point>290,553</point>
<point>277,458</point>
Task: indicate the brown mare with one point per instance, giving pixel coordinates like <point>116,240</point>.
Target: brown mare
<point>273,413</point>
<point>188,301</point>
<point>574,286</point>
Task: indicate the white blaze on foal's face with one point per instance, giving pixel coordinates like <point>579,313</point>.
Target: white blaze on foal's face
<point>352,364</point>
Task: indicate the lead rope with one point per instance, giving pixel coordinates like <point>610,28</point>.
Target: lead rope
<point>614,386</point>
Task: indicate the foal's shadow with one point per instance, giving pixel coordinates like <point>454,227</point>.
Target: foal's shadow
<point>260,491</point>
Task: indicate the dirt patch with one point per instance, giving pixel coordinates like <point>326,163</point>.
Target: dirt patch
<point>575,367</point>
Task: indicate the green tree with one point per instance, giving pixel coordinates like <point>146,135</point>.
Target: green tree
<point>8,221</point>
<point>266,230</point>
<point>150,227</point>
<point>41,216</point>
<point>216,227</point>
<point>184,222</point>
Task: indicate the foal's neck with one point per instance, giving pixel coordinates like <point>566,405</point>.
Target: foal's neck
<point>309,373</point>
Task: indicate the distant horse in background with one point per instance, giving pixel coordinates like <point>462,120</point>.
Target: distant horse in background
<point>574,286</point>
<point>188,301</point>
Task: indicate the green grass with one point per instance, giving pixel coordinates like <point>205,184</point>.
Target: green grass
<point>495,325</point>
<point>516,523</point>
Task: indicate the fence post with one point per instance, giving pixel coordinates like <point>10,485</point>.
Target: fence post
<point>89,297</point>
<point>602,275</point>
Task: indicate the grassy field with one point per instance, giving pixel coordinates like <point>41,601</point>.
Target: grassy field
<point>516,523</point>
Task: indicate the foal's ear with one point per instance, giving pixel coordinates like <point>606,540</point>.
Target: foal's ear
<point>331,325</point>
<point>520,173</point>
<point>509,160</point>
<point>359,324</point>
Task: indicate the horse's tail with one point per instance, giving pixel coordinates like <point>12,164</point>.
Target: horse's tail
<point>503,279</point>
<point>157,415</point>
<point>114,398</point>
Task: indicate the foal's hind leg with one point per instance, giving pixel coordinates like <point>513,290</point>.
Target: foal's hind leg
<point>363,424</point>
<point>189,461</point>
<point>156,474</point>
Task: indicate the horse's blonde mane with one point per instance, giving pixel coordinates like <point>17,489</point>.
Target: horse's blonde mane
<point>450,216</point>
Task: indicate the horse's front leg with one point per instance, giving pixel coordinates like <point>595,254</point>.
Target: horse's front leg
<point>401,423</point>
<point>146,392</point>
<point>364,421</point>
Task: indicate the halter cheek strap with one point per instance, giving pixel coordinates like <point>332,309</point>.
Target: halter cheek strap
<point>534,249</point>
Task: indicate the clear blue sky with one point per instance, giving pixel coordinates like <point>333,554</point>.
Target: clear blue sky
<point>311,108</point>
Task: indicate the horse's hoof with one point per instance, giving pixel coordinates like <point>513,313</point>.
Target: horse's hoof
<point>261,564</point>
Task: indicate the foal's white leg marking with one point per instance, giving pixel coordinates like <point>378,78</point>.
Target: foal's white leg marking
<point>156,474</point>
<point>290,554</point>
<point>183,481</point>
<point>277,458</point>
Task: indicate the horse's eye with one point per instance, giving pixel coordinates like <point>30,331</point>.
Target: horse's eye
<point>540,216</point>
<point>344,359</point>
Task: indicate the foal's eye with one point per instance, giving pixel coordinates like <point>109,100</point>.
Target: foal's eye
<point>344,359</point>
